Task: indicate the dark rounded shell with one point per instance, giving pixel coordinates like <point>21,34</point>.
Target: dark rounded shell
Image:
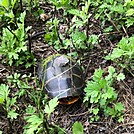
<point>61,77</point>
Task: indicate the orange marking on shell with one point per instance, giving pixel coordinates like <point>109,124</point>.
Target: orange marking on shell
<point>68,102</point>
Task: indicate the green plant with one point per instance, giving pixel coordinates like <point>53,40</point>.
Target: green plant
<point>52,37</point>
<point>37,115</point>
<point>59,4</point>
<point>10,97</point>
<point>77,128</point>
<point>80,16</point>
<point>6,10</point>
<point>123,54</point>
<point>7,102</point>
<point>119,13</point>
<point>20,82</point>
<point>36,118</point>
<point>13,45</point>
<point>102,95</point>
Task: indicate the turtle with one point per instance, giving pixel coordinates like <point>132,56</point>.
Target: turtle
<point>62,77</point>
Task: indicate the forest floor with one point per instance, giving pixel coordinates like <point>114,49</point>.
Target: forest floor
<point>66,115</point>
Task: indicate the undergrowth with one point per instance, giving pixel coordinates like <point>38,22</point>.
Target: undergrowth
<point>77,18</point>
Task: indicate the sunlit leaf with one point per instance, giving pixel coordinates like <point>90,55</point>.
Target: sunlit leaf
<point>77,128</point>
<point>50,107</point>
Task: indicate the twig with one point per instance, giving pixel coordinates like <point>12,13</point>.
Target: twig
<point>126,124</point>
<point>36,35</point>
<point>85,74</point>
<point>117,32</point>
<point>112,22</point>
<point>125,30</point>
<point>21,7</point>
<point>29,43</point>
<point>74,115</point>
<point>61,42</point>
<point>12,33</point>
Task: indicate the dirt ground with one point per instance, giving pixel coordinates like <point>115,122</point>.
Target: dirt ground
<point>66,115</point>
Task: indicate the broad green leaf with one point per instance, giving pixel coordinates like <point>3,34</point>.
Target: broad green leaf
<point>30,130</point>
<point>78,36</point>
<point>130,12</point>
<point>120,76</point>
<point>130,21</point>
<point>110,93</point>
<point>110,111</point>
<point>102,83</point>
<point>77,128</point>
<point>34,123</point>
<point>93,39</point>
<point>115,54</point>
<point>94,98</point>
<point>5,3</point>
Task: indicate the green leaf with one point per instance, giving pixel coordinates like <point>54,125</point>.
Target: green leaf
<point>13,3</point>
<point>74,12</point>
<point>50,107</point>
<point>120,119</point>
<point>93,39</point>
<point>119,106</point>
<point>110,93</point>
<point>98,74</point>
<point>34,119</point>
<point>115,54</point>
<point>12,101</point>
<point>130,12</point>
<point>12,114</point>
<point>102,83</point>
<point>111,70</point>
<point>95,111</point>
<point>30,109</point>
<point>78,36</point>
<point>30,130</point>
<point>4,92</point>
<point>77,128</point>
<point>5,3</point>
<point>34,123</point>
<point>22,17</point>
<point>120,76</point>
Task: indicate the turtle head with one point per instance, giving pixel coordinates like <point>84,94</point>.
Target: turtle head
<point>62,60</point>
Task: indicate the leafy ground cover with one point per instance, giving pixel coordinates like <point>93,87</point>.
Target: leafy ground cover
<point>98,34</point>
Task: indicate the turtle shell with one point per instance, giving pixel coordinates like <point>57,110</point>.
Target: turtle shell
<point>61,77</point>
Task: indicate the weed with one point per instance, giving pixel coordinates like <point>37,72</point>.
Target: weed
<point>102,95</point>
<point>123,54</point>
<point>13,46</point>
<point>118,12</point>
